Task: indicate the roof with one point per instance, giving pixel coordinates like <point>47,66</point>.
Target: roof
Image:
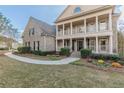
<point>82,13</point>
<point>46,28</point>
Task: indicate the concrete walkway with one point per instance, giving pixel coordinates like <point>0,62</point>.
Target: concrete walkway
<point>45,62</point>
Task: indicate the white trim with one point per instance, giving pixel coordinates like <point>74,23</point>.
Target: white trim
<point>85,27</point>
<point>110,21</point>
<point>96,23</point>
<point>56,30</point>
<point>71,28</point>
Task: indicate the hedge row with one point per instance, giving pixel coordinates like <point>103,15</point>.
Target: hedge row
<point>43,53</point>
<point>105,57</point>
<point>88,53</point>
<point>4,48</point>
<point>24,49</point>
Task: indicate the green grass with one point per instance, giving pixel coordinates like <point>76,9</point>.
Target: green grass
<point>18,74</point>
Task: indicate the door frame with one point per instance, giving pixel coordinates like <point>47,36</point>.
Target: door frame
<point>78,44</point>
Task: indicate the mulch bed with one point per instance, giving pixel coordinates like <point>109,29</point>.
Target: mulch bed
<point>2,53</point>
<point>106,69</point>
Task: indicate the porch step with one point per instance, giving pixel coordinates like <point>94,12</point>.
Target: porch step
<point>75,54</point>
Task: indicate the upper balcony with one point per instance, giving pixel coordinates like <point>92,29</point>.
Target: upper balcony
<point>99,24</point>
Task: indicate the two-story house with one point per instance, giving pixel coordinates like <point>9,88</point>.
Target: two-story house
<point>88,26</point>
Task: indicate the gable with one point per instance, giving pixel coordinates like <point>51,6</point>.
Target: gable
<point>39,26</point>
<point>31,24</point>
<point>70,10</point>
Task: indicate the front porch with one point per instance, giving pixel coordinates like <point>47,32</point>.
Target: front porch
<point>99,44</point>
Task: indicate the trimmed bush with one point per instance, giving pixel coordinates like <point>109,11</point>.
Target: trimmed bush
<point>24,49</point>
<point>85,52</point>
<point>105,57</point>
<point>65,51</point>
<point>41,53</point>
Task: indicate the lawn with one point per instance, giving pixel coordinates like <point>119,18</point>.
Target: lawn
<point>48,57</point>
<point>19,74</point>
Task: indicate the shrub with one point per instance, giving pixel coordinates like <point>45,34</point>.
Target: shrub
<point>4,48</point>
<point>101,61</point>
<point>121,62</point>
<point>41,53</point>
<point>115,57</point>
<point>24,49</point>
<point>36,52</point>
<point>65,51</point>
<point>85,52</point>
<point>105,57</point>
<point>115,64</point>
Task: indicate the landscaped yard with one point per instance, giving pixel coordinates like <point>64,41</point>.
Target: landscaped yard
<point>48,57</point>
<point>19,74</point>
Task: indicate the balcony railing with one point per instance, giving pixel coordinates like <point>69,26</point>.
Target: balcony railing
<point>67,32</point>
<point>81,30</point>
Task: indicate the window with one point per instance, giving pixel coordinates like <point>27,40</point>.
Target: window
<point>34,45</point>
<point>28,44</point>
<point>92,45</point>
<point>31,31</point>
<point>38,45</point>
<point>77,10</point>
<point>103,45</point>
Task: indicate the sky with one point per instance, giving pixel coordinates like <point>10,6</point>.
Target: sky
<point>19,14</point>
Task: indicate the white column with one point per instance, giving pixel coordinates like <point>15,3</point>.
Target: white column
<point>111,44</point>
<point>71,44</point>
<point>96,23</point>
<point>110,22</point>
<point>63,43</point>
<point>85,44</point>
<point>56,30</point>
<point>71,27</point>
<point>56,45</point>
<point>63,29</point>
<point>97,47</point>
<point>85,27</point>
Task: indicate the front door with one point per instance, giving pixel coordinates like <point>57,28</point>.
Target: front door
<point>79,45</point>
<point>103,45</point>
